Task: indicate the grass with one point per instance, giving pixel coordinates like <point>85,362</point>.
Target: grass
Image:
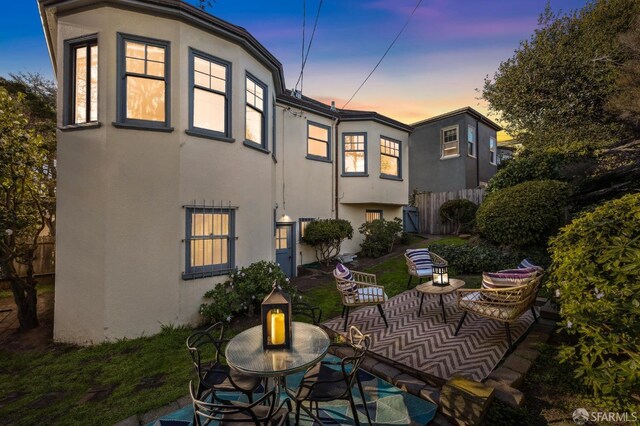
<point>45,287</point>
<point>49,387</point>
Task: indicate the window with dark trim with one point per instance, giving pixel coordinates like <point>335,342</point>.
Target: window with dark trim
<point>449,142</point>
<point>209,241</point>
<point>371,215</point>
<point>493,150</point>
<point>390,158</point>
<point>81,76</point>
<point>318,141</point>
<point>302,225</point>
<point>354,146</point>
<point>143,95</point>
<point>255,113</point>
<point>209,95</point>
<point>471,141</point>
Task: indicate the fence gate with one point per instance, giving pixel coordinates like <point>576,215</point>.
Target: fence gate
<point>410,222</point>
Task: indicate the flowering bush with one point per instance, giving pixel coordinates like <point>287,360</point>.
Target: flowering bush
<point>595,275</point>
<point>244,292</point>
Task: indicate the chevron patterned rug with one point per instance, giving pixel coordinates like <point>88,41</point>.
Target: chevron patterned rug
<point>427,344</point>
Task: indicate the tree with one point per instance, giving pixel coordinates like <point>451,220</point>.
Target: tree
<point>27,182</point>
<point>555,89</point>
<point>625,103</point>
<point>459,213</point>
<point>326,237</point>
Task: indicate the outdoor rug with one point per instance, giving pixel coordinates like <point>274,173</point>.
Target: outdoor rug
<point>427,344</point>
<point>387,405</point>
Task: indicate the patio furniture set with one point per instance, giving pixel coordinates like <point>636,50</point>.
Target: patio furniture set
<point>504,295</point>
<point>246,368</point>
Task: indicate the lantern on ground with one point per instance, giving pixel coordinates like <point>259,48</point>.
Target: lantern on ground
<point>276,320</point>
<point>440,275</point>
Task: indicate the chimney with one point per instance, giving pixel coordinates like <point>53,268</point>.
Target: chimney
<point>296,94</point>
<point>333,106</point>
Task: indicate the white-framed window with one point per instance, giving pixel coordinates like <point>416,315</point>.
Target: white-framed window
<point>390,158</point>
<point>209,94</point>
<point>471,141</point>
<point>318,141</point>
<point>449,141</point>
<point>493,150</point>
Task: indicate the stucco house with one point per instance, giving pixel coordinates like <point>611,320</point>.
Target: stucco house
<point>181,155</point>
<point>452,151</point>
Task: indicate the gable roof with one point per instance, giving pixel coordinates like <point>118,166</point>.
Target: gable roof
<point>467,110</point>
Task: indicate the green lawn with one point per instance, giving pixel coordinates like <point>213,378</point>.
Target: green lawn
<point>145,373</point>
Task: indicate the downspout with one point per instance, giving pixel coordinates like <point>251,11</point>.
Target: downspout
<point>477,154</point>
<point>336,151</point>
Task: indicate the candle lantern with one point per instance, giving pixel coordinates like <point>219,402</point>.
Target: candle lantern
<point>276,320</point>
<point>440,275</point>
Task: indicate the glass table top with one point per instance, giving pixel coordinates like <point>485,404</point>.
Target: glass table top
<point>244,352</point>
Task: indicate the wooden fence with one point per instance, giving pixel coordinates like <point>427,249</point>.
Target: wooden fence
<point>45,262</point>
<point>429,203</point>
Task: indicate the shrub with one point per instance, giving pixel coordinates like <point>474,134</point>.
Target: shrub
<point>459,213</point>
<point>326,237</point>
<point>244,292</point>
<point>475,258</point>
<point>595,273</point>
<point>379,236</point>
<point>524,214</point>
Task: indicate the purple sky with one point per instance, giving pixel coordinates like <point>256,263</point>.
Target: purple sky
<point>435,66</point>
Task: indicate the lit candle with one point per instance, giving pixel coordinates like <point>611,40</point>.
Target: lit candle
<point>437,278</point>
<point>277,327</point>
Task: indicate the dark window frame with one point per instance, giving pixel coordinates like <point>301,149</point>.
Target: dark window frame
<point>326,159</point>
<point>365,151</point>
<point>68,109</point>
<point>263,145</point>
<point>226,135</point>
<point>195,272</point>
<point>306,220</point>
<point>367,212</point>
<point>121,113</point>
<point>493,152</point>
<point>473,143</point>
<point>399,157</point>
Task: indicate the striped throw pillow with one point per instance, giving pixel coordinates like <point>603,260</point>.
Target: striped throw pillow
<point>421,258</point>
<point>520,271</point>
<point>526,263</point>
<point>344,273</point>
<point>498,280</point>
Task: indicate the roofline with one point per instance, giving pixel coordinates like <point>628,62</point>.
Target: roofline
<point>176,9</point>
<point>466,110</point>
<point>378,118</point>
<point>306,106</point>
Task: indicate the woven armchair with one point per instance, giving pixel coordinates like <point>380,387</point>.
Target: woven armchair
<point>420,271</point>
<point>360,290</point>
<point>502,304</point>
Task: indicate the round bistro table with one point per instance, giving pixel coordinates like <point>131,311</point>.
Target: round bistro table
<point>429,288</point>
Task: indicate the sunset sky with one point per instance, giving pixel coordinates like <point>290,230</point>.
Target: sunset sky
<point>435,66</point>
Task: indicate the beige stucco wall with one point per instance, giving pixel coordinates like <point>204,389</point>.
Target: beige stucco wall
<point>355,213</point>
<point>121,225</point>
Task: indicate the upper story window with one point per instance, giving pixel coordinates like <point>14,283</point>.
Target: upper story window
<point>210,86</point>
<point>493,150</point>
<point>81,87</point>
<point>390,158</point>
<point>255,113</point>
<point>371,215</point>
<point>318,141</point>
<point>355,154</point>
<point>144,82</point>
<point>449,142</point>
<point>471,141</point>
<point>210,241</point>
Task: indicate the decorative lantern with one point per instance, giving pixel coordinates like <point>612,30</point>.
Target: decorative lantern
<point>276,320</point>
<point>440,275</point>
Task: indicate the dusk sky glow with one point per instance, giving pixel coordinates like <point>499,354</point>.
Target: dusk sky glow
<point>435,66</point>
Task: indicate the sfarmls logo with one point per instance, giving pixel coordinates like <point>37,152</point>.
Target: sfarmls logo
<point>582,416</point>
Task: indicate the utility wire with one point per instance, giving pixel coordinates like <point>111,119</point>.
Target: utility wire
<point>304,26</point>
<point>385,53</point>
<point>304,61</point>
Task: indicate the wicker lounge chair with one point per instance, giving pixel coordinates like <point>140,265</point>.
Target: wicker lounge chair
<point>421,265</point>
<point>360,290</point>
<point>501,304</point>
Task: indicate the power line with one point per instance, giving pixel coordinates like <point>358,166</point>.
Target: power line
<point>385,54</point>
<point>304,60</point>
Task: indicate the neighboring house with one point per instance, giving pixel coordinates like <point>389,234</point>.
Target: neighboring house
<point>181,156</point>
<point>507,149</point>
<point>452,151</point>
